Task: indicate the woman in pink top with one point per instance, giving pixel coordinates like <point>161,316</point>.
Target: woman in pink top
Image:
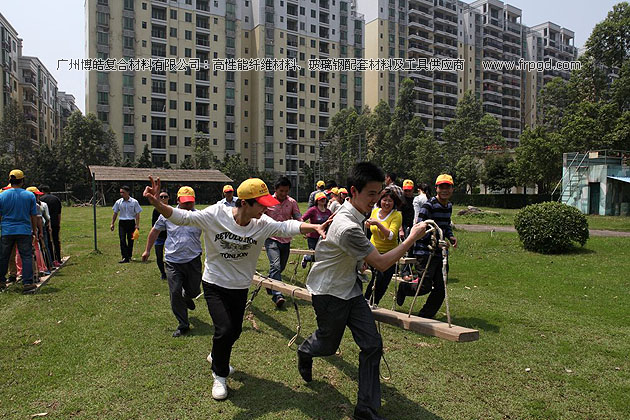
<point>317,215</point>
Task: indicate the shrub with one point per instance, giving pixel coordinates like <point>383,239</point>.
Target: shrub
<point>551,227</point>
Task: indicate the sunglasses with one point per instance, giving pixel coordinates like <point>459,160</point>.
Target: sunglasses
<point>164,196</point>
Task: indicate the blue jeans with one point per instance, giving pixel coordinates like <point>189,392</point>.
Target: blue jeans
<point>312,243</point>
<point>25,248</point>
<point>278,255</point>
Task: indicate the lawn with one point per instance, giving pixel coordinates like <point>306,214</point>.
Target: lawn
<point>506,218</point>
<point>554,342</point>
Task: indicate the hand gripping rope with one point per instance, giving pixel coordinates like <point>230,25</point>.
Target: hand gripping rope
<point>437,240</point>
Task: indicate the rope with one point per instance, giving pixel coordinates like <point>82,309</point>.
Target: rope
<point>256,290</point>
<point>299,323</point>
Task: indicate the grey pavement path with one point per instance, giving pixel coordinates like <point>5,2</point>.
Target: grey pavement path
<point>488,228</point>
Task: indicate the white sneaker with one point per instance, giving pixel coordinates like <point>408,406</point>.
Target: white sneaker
<point>209,359</point>
<point>219,387</point>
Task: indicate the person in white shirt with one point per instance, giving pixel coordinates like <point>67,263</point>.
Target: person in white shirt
<point>335,286</point>
<point>129,221</point>
<point>228,197</point>
<point>419,200</point>
<point>233,238</point>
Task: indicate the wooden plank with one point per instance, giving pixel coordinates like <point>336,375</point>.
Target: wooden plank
<point>430,327</point>
<point>43,280</point>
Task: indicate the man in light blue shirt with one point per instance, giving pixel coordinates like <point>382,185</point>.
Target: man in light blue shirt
<point>18,211</point>
<point>228,197</point>
<point>129,221</point>
<point>182,260</point>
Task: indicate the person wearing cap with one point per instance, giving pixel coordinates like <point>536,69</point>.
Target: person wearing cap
<point>336,288</point>
<point>406,209</point>
<point>228,196</point>
<point>321,186</point>
<point>234,238</point>
<point>12,273</point>
<point>161,239</point>
<point>343,194</point>
<point>318,214</point>
<point>278,248</point>
<point>54,208</point>
<point>439,209</point>
<point>182,259</point>
<point>335,200</point>
<point>18,213</point>
<point>129,221</point>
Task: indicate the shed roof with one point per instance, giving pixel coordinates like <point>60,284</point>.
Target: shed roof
<point>120,173</point>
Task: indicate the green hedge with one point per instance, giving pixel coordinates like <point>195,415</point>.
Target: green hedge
<point>500,201</point>
<point>551,228</point>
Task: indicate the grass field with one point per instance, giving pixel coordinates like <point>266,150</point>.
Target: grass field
<point>506,218</point>
<point>554,342</point>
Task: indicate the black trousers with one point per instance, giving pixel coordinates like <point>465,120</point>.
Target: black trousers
<point>333,315</point>
<point>56,244</point>
<point>227,308</point>
<point>382,278</point>
<point>433,284</point>
<point>125,232</point>
<point>159,258</point>
<point>184,284</point>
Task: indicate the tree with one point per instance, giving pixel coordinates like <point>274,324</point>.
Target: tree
<point>427,159</point>
<point>203,157</point>
<point>85,143</point>
<point>145,161</point>
<point>346,142</point>
<point>498,173</point>
<point>378,144</point>
<point>553,100</point>
<point>468,170</point>
<point>468,136</point>
<point>16,147</point>
<point>235,167</point>
<point>187,163</point>
<point>539,158</point>
<point>589,126</point>
<point>609,42</point>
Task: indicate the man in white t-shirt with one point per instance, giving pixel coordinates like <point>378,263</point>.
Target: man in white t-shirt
<point>233,238</point>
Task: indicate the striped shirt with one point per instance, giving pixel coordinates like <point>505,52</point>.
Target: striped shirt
<point>435,211</point>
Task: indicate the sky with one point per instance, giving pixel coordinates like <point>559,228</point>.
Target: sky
<point>55,29</point>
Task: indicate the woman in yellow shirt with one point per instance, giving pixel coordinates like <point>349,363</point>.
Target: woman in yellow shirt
<point>384,223</point>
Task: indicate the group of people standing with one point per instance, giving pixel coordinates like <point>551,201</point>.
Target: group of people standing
<point>235,231</point>
<point>30,223</point>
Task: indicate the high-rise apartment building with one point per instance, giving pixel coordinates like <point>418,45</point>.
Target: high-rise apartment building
<point>275,120</point>
<point>9,63</point>
<point>545,42</point>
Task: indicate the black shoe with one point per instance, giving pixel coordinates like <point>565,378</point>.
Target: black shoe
<point>163,276</point>
<point>180,331</point>
<point>12,279</point>
<point>123,261</point>
<point>400,295</point>
<point>305,366</point>
<point>190,304</point>
<point>28,288</point>
<point>279,301</point>
<point>366,413</point>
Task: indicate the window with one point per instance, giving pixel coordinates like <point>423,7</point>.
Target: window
<point>128,42</point>
<point>172,122</point>
<point>173,14</point>
<point>188,35</point>
<point>187,124</point>
<point>103,98</point>
<point>173,86</point>
<point>102,78</point>
<point>127,23</point>
<point>172,141</point>
<point>128,5</point>
<point>102,18</point>
<point>187,106</point>
<point>173,50</point>
<point>173,32</point>
<point>188,17</point>
<point>102,38</point>
<point>172,104</point>
<point>128,100</point>
<point>172,158</point>
<point>187,141</point>
<point>128,119</point>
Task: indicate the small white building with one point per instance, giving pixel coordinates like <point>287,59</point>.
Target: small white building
<point>597,182</point>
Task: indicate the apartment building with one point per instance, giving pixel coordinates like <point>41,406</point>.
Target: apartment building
<point>38,94</point>
<point>416,29</point>
<point>450,29</point>
<point>275,120</point>
<point>9,63</point>
<point>545,42</point>
<point>67,106</point>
